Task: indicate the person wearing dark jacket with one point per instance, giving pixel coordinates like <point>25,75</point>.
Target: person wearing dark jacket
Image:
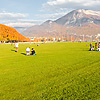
<point>33,52</point>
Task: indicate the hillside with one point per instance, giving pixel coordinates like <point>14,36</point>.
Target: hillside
<point>51,29</point>
<point>10,34</point>
<point>59,30</point>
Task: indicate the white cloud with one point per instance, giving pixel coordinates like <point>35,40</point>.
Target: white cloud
<point>20,24</point>
<point>17,20</point>
<point>23,23</point>
<point>57,5</point>
<point>30,21</point>
<point>12,16</point>
<point>52,16</point>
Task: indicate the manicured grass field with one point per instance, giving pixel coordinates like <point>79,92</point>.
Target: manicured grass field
<point>59,71</point>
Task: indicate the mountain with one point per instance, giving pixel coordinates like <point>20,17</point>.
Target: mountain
<point>46,29</point>
<point>10,34</point>
<point>79,17</point>
<point>77,21</point>
<point>20,29</point>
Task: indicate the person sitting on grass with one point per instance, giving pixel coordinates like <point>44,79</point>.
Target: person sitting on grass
<point>28,51</point>
<point>33,52</point>
<point>98,49</point>
<point>92,49</point>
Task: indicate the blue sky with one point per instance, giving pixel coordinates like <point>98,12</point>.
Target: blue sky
<point>26,13</point>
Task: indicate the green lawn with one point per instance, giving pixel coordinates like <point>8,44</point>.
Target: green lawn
<point>59,71</point>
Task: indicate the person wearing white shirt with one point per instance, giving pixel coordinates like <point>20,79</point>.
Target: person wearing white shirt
<point>17,46</point>
<point>98,49</point>
<point>28,51</point>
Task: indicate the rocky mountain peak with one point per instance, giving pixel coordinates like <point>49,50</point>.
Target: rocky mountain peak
<point>79,17</point>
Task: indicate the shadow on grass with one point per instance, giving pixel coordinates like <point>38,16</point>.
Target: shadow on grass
<point>13,50</point>
<point>23,53</point>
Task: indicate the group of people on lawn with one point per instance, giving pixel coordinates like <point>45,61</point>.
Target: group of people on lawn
<point>28,51</point>
<point>95,48</point>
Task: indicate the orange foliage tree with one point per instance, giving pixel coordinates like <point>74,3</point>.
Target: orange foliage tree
<point>11,34</point>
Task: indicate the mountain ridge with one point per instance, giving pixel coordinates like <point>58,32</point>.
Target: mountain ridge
<point>77,18</point>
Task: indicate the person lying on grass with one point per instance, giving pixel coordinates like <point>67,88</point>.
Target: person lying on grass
<point>33,52</point>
